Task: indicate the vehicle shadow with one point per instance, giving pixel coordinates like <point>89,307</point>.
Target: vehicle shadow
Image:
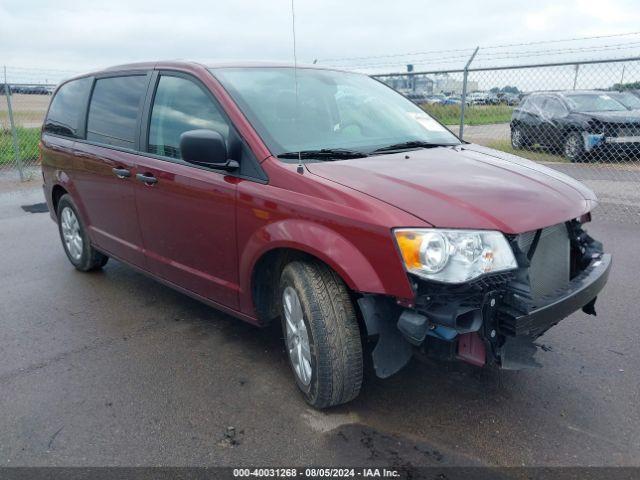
<point>456,379</point>
<point>449,406</point>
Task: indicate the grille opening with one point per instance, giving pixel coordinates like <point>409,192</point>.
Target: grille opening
<point>550,267</point>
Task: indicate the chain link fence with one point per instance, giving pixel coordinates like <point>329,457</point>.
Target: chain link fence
<point>581,118</point>
<point>24,98</point>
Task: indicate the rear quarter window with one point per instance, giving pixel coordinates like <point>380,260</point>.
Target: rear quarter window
<point>113,111</point>
<point>67,108</point>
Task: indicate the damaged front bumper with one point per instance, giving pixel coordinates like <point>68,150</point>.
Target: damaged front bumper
<point>532,320</point>
<point>522,324</point>
<point>492,320</point>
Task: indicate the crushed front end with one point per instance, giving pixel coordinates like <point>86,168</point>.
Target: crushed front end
<point>493,319</point>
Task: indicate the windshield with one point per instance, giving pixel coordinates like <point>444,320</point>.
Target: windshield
<point>629,100</point>
<point>594,103</point>
<point>336,110</point>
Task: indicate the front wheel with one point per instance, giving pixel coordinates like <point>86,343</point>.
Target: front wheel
<point>518,139</point>
<point>75,240</point>
<point>321,332</point>
<point>574,147</point>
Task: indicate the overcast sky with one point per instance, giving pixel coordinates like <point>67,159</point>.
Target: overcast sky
<point>79,35</point>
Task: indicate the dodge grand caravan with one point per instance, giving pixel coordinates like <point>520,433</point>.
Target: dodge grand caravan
<point>343,211</point>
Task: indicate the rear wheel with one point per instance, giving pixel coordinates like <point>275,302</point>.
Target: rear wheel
<point>75,240</point>
<point>574,147</point>
<point>321,332</point>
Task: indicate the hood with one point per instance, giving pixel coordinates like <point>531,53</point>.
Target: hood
<point>621,116</point>
<point>465,187</point>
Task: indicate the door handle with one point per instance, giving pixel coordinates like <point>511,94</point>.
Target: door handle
<point>146,178</point>
<point>121,172</point>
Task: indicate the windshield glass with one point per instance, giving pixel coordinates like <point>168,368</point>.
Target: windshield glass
<point>336,110</point>
<point>593,103</point>
<point>629,100</point>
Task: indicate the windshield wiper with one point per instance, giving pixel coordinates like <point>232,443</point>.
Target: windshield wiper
<point>410,144</point>
<point>325,154</point>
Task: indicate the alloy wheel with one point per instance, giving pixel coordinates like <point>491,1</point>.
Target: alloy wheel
<point>516,138</point>
<point>297,336</point>
<point>572,148</point>
<point>71,233</point>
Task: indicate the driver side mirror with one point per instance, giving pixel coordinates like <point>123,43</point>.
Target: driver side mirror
<point>206,148</point>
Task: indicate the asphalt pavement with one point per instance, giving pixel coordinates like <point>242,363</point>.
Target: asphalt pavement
<point>112,368</point>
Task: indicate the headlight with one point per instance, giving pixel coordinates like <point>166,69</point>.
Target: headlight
<point>454,256</point>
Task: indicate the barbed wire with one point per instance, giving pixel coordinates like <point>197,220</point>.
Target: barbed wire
<point>509,55</point>
<point>35,69</point>
<point>484,48</point>
<point>397,55</point>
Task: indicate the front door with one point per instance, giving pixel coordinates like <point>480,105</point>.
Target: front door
<point>187,214</point>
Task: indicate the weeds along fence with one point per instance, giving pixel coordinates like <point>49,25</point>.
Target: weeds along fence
<point>581,118</point>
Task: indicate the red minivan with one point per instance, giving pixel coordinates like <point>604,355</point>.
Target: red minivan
<point>325,200</point>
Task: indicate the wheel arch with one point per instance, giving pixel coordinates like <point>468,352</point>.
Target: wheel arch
<point>61,183</point>
<point>266,275</point>
<point>262,262</point>
<point>56,193</point>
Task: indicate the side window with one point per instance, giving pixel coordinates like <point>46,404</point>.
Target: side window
<point>114,110</point>
<point>525,104</point>
<point>554,107</point>
<point>535,105</point>
<point>67,108</point>
<point>181,105</point>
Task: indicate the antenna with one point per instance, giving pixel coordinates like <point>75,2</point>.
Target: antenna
<point>300,168</point>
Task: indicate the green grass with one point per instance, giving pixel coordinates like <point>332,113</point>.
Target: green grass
<point>28,139</point>
<point>533,153</point>
<point>473,114</point>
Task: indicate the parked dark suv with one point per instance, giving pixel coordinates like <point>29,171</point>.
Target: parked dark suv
<point>323,200</point>
<point>581,125</point>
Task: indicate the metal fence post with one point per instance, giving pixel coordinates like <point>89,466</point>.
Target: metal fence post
<point>463,104</point>
<point>14,132</point>
<point>575,76</point>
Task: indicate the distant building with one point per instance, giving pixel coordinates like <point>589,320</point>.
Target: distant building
<point>410,83</point>
<point>398,82</point>
<point>446,84</point>
<point>426,85</point>
<point>423,84</point>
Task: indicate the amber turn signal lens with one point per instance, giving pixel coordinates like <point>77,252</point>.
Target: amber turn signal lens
<point>409,244</point>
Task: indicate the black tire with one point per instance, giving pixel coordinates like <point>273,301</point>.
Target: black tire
<point>333,334</point>
<point>89,259</point>
<point>518,138</point>
<point>573,147</point>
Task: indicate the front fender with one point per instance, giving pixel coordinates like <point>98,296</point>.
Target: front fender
<point>317,240</point>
